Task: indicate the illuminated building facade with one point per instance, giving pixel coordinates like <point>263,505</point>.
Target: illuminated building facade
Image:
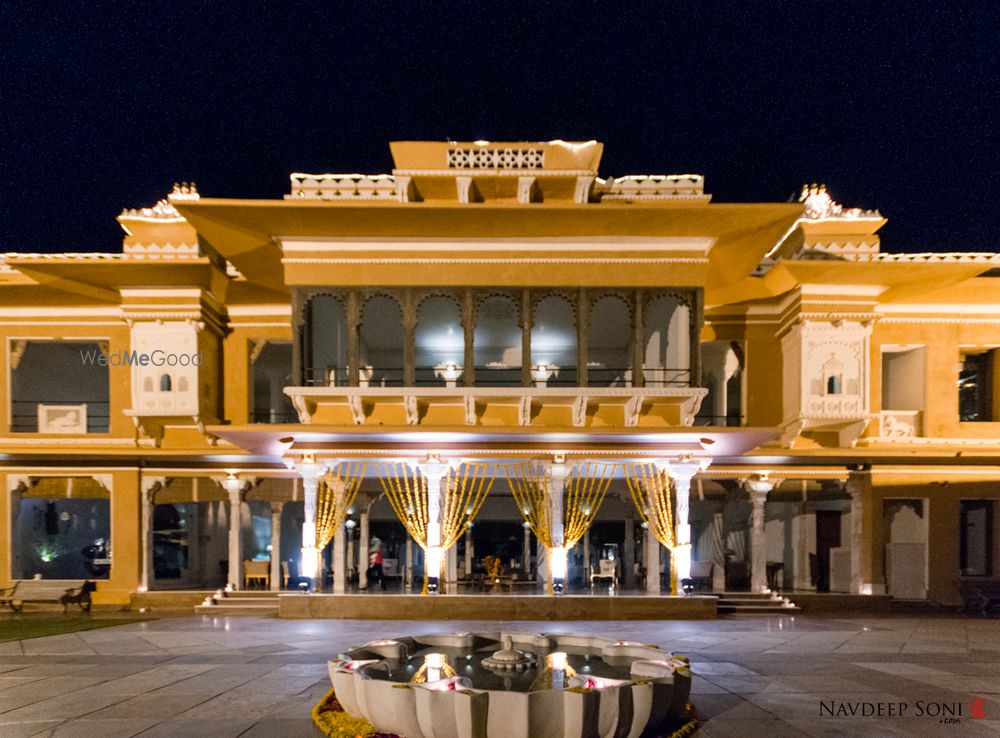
<point>824,416</point>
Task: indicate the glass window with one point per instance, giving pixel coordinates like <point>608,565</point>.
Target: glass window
<point>975,388</point>
<point>976,559</point>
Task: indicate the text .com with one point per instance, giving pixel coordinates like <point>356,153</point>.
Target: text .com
<point>135,358</point>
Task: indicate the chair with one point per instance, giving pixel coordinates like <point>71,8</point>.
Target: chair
<point>257,571</point>
<point>606,569</point>
<point>701,574</point>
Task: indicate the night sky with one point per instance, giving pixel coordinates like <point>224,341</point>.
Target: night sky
<point>895,107</point>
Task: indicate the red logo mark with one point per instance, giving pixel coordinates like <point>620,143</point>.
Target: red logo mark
<point>977,708</point>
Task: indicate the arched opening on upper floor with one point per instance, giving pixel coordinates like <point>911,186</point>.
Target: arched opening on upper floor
<point>497,342</point>
<point>325,350</point>
<point>553,342</point>
<point>380,343</point>
<point>440,342</point>
<point>609,343</point>
<point>667,341</point>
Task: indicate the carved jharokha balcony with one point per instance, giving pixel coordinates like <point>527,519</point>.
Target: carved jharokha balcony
<point>580,407</point>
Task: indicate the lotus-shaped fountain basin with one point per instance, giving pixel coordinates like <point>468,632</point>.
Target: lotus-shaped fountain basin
<point>512,685</point>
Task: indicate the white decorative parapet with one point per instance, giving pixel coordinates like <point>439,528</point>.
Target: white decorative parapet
<point>484,158</point>
<point>163,209</point>
<point>952,257</point>
<point>819,205</point>
<point>342,187</point>
<point>439,699</point>
<point>653,187</point>
<point>520,406</point>
<point>897,425</point>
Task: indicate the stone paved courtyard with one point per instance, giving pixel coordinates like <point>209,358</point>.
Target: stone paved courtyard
<point>762,676</point>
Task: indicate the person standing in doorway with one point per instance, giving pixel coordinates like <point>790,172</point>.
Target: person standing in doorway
<point>375,562</point>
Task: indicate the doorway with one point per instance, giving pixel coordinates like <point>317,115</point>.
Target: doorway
<point>827,537</point>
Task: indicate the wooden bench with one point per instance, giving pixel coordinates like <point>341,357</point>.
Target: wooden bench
<point>42,590</point>
<point>980,595</point>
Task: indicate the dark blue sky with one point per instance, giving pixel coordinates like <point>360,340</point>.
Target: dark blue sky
<point>105,105</point>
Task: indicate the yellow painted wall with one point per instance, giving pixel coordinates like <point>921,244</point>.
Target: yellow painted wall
<point>944,342</point>
<point>236,351</point>
<point>944,498</point>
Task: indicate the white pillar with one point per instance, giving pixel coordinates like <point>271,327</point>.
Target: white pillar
<point>408,576</point>
<point>434,471</point>
<point>856,539</point>
<point>682,472</point>
<point>651,553</point>
<point>452,565</point>
<point>526,550</point>
<point>719,552</point>
<point>309,562</point>
<point>339,562</point>
<point>349,534</point>
<point>235,576</point>
<point>363,546</point>
<point>276,508</point>
<point>802,578</point>
<point>557,557</point>
<point>758,543</point>
<point>470,553</point>
<point>149,487</point>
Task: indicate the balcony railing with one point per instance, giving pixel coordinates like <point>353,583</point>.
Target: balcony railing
<point>490,375</point>
<point>24,414</point>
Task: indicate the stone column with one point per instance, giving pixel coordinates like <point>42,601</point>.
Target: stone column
<point>638,339</point>
<point>353,338</point>
<point>309,563</point>
<point>469,552</point>
<point>469,331</point>
<point>758,543</point>
<point>586,555</point>
<point>651,551</point>
<point>349,535</point>
<point>276,508</point>
<point>526,323</point>
<point>235,575</point>
<point>434,471</point>
<point>802,575</point>
<point>682,472</point>
<point>452,567</point>
<point>408,574</point>
<point>719,549</point>
<point>582,326</point>
<point>526,549</point>
<point>409,339</point>
<point>556,558</point>
<point>363,546</point>
<point>856,484</point>
<point>149,487</point>
<point>339,561</point>
<point>628,555</point>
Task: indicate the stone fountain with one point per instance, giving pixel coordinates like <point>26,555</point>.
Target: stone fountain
<point>512,685</point>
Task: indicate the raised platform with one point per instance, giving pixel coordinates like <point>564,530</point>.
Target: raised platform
<point>502,607</point>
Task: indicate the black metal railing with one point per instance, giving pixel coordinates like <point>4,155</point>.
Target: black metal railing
<point>24,414</point>
<point>732,420</point>
<point>507,376</point>
<point>269,415</point>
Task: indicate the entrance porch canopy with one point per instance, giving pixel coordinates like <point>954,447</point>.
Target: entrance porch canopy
<point>386,442</point>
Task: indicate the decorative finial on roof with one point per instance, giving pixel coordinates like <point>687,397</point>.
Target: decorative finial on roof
<point>184,191</point>
<point>819,204</point>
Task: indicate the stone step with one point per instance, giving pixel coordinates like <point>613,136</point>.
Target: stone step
<point>756,609</point>
<point>240,609</point>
